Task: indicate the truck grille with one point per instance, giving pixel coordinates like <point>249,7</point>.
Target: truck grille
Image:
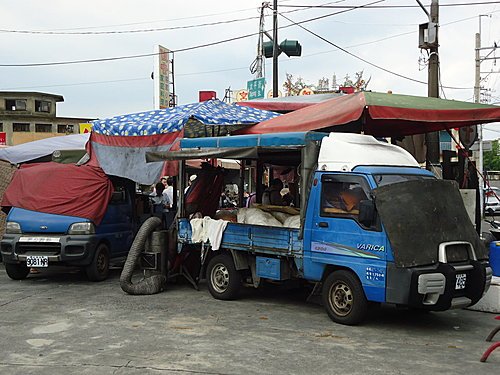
<point>38,248</point>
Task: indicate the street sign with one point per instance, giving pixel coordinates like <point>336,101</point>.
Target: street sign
<point>241,95</point>
<point>256,88</point>
<point>85,128</point>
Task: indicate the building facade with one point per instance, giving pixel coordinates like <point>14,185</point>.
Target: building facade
<point>30,116</point>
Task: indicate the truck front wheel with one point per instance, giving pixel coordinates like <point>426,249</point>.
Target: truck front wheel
<point>17,271</point>
<point>344,298</point>
<point>224,281</point>
<point>99,268</point>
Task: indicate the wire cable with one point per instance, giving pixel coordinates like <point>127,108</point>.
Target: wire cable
<point>174,51</point>
<point>364,60</point>
<point>391,6</point>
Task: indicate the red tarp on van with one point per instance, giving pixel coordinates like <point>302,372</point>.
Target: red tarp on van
<point>64,189</point>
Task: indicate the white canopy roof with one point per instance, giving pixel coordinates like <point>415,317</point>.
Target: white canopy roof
<point>43,147</point>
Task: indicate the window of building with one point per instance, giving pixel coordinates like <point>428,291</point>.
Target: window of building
<point>20,127</point>
<point>43,128</point>
<point>42,106</point>
<point>15,104</point>
<point>67,129</point>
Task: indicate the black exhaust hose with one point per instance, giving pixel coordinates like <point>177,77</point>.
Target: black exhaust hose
<point>150,285</point>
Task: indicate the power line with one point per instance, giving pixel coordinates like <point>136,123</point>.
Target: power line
<point>127,31</point>
<point>174,51</point>
<point>244,67</point>
<point>78,84</point>
<point>389,6</point>
<point>364,60</point>
<point>137,31</point>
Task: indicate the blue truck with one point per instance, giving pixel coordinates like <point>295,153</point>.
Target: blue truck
<point>37,240</point>
<point>407,241</point>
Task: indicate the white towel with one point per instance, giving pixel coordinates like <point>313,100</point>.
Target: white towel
<point>215,230</point>
<point>208,229</point>
<point>197,232</point>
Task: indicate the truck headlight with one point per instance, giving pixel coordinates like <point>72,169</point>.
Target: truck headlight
<point>81,228</point>
<point>13,228</point>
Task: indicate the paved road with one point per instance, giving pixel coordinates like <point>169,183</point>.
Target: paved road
<point>59,323</point>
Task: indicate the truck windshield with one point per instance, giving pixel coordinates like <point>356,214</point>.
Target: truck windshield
<point>387,179</point>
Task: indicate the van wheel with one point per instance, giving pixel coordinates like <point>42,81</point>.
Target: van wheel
<point>224,281</point>
<point>17,271</point>
<point>344,298</point>
<point>99,268</point>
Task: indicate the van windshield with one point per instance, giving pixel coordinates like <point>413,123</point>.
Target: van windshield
<point>387,179</point>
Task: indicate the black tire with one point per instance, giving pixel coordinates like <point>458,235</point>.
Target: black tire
<point>224,281</point>
<point>98,270</point>
<point>17,271</point>
<point>344,298</point>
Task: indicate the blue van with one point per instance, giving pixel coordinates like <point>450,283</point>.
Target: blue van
<point>39,240</point>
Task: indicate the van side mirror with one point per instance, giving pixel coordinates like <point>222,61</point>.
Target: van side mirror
<point>366,213</point>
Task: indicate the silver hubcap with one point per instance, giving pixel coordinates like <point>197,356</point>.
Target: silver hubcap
<point>220,278</point>
<point>341,298</point>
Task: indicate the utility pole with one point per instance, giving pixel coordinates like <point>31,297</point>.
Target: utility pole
<point>477,99</point>
<point>275,48</point>
<point>432,139</point>
<point>259,68</point>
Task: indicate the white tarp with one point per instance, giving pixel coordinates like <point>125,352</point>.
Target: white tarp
<point>43,147</point>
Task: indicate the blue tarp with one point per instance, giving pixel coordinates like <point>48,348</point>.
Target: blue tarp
<point>120,143</point>
<point>169,120</point>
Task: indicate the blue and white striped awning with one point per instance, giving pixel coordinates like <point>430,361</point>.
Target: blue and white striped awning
<point>212,113</point>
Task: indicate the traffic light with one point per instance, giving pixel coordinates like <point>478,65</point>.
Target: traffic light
<point>267,49</point>
<point>290,47</point>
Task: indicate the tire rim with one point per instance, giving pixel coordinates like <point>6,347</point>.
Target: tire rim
<point>341,298</point>
<point>101,262</point>
<point>219,278</point>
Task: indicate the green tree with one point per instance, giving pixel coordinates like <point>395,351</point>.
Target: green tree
<point>491,159</point>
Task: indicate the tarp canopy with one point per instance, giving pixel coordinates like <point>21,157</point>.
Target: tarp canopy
<point>64,189</point>
<point>43,147</point>
<point>380,114</point>
<point>120,143</point>
<point>288,103</point>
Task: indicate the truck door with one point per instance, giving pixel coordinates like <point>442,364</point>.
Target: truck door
<point>117,224</point>
<point>338,238</point>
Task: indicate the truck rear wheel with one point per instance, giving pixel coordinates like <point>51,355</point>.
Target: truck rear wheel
<point>99,268</point>
<point>224,281</point>
<point>17,271</point>
<point>344,298</point>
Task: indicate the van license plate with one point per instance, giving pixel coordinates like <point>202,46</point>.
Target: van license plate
<point>37,261</point>
<point>460,282</point>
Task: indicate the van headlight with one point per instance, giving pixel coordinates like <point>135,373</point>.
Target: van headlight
<point>12,227</point>
<point>81,228</point>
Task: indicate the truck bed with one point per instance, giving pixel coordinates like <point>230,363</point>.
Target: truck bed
<point>253,238</point>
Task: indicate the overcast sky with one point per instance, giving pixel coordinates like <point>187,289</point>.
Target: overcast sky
<point>386,37</point>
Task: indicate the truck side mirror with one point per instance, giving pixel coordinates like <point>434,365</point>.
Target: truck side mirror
<point>366,213</point>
